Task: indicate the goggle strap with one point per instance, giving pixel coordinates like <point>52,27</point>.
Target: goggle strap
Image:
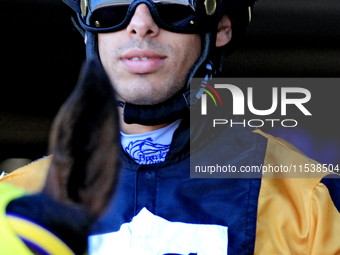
<point>78,26</point>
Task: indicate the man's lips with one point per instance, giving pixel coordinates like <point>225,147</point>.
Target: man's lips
<point>142,61</point>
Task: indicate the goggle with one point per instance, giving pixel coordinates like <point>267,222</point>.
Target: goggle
<point>181,16</point>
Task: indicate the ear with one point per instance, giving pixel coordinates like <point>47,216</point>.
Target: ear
<point>84,143</point>
<point>224,31</point>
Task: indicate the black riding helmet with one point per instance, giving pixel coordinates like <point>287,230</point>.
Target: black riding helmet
<point>180,16</point>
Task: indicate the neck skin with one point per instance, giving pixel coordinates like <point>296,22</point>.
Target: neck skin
<point>136,128</point>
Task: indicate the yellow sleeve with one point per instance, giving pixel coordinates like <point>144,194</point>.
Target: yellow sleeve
<point>283,216</point>
<point>324,230</point>
<point>295,215</point>
<point>31,177</point>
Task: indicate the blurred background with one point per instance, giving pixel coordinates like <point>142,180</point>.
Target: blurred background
<point>42,56</point>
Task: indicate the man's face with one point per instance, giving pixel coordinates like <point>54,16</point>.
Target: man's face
<point>145,63</point>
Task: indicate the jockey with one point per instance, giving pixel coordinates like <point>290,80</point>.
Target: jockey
<point>151,51</point>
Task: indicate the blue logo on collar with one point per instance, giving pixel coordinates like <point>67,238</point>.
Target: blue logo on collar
<point>146,152</point>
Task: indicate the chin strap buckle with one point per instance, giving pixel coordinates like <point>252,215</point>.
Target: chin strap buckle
<point>208,76</point>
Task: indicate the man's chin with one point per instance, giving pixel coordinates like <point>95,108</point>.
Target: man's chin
<point>148,93</point>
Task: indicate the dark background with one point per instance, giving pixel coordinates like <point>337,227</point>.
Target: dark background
<point>42,55</point>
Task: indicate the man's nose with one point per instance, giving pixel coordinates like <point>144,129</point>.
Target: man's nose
<point>142,23</point>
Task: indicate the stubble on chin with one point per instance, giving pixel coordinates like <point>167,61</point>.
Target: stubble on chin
<point>143,92</point>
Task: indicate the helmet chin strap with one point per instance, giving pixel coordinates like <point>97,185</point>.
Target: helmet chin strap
<point>166,112</point>
<point>172,109</point>
<point>91,47</point>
